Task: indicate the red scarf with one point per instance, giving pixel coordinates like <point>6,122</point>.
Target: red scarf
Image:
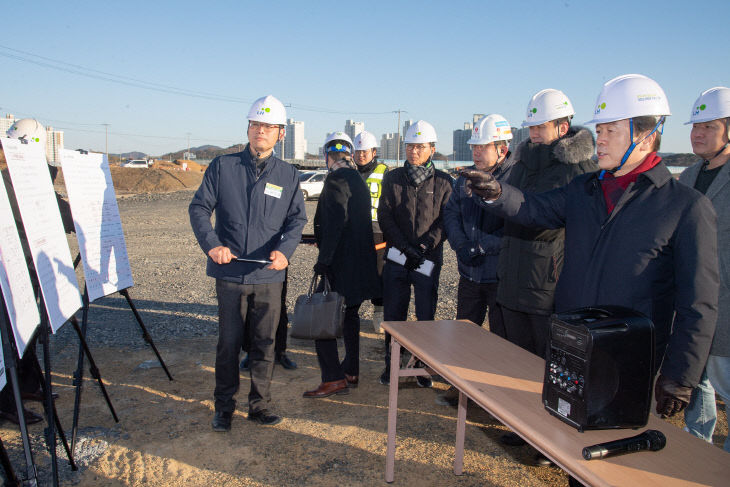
<point>613,187</point>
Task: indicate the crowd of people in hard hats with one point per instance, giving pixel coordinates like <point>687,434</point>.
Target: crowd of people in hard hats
<point>560,222</point>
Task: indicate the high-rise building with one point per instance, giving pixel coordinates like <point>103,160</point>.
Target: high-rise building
<point>388,146</point>
<point>6,123</point>
<point>295,145</point>
<point>406,126</point>
<point>54,144</point>
<point>462,150</point>
<point>353,128</point>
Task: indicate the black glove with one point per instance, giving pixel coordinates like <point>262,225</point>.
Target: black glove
<point>471,255</point>
<point>482,184</point>
<point>414,258</point>
<point>323,270</point>
<point>671,397</point>
<point>425,245</point>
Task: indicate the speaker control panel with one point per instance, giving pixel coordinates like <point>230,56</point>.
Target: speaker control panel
<point>566,372</point>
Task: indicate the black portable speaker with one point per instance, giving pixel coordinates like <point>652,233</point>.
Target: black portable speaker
<point>599,368</point>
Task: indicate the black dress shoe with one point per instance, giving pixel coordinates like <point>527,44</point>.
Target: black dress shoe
<point>222,421</point>
<point>30,417</point>
<point>245,363</point>
<point>264,417</point>
<point>352,381</point>
<point>285,361</point>
<point>512,439</point>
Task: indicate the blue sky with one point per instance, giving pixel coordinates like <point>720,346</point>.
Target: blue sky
<point>440,61</point>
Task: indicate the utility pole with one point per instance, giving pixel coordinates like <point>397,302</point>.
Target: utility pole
<point>397,147</point>
<point>106,139</point>
<point>188,154</point>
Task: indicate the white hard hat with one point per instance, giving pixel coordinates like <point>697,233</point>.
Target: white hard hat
<point>420,132</point>
<point>629,96</point>
<point>268,109</point>
<point>331,143</point>
<point>489,129</point>
<point>711,105</point>
<point>365,140</point>
<point>28,129</point>
<point>547,105</point>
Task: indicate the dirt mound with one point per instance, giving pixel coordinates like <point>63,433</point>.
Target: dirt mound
<point>153,180</point>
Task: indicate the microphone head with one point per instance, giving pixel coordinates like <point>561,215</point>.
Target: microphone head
<point>656,438</point>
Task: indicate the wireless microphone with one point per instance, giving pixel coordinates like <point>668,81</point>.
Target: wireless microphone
<point>651,440</point>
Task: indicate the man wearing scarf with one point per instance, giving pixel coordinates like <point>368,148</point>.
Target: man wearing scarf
<point>409,213</point>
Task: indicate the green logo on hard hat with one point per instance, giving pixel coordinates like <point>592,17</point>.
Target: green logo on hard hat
<point>565,103</point>
<point>703,106</point>
<point>603,105</point>
<point>534,110</point>
<point>418,133</point>
<point>339,146</point>
<point>267,110</point>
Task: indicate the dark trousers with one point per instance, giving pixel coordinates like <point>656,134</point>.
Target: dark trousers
<point>28,371</point>
<point>397,282</point>
<point>329,362</point>
<point>261,304</point>
<point>529,331</point>
<point>281,329</point>
<point>474,299</point>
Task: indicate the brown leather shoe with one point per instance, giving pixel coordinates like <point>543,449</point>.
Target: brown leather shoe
<point>352,380</point>
<point>326,389</point>
<point>30,417</point>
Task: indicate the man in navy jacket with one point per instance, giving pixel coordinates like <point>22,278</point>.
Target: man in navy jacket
<point>259,212</point>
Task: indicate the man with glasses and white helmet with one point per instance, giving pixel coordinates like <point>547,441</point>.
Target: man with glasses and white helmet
<point>409,214</point>
<point>710,121</point>
<point>635,236</point>
<point>372,172</point>
<point>259,213</point>
<point>475,234</point>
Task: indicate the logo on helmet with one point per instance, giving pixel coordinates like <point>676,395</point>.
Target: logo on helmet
<point>601,106</point>
<point>699,109</point>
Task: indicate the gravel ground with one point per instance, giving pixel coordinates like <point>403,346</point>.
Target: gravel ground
<point>164,436</point>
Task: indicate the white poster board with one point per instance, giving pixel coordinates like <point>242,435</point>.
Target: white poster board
<point>98,226</point>
<point>44,229</point>
<point>14,278</point>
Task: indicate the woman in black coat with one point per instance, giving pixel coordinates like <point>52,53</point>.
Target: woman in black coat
<point>344,236</point>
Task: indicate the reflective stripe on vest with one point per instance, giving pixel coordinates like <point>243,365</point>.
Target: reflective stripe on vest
<point>375,186</point>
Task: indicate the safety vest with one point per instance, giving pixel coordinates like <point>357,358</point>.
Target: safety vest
<point>375,185</point>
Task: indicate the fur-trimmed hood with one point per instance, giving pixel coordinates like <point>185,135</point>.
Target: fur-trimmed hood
<point>577,146</point>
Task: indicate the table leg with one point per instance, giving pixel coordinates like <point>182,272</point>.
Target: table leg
<point>460,433</point>
<point>392,409</point>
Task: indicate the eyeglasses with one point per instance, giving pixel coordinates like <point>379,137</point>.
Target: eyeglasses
<point>417,147</point>
<point>261,125</point>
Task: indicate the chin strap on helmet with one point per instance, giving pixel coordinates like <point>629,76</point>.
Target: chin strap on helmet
<point>633,145</point>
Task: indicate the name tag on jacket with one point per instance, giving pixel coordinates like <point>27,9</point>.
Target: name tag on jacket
<point>273,190</point>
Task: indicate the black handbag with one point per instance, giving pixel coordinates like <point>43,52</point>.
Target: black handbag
<point>318,315</point>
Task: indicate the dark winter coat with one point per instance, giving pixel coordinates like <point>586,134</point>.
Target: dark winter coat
<point>410,215</point>
<point>344,233</point>
<point>655,253</point>
<point>531,258</point>
<point>467,223</point>
<point>719,194</point>
<point>253,215</point>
